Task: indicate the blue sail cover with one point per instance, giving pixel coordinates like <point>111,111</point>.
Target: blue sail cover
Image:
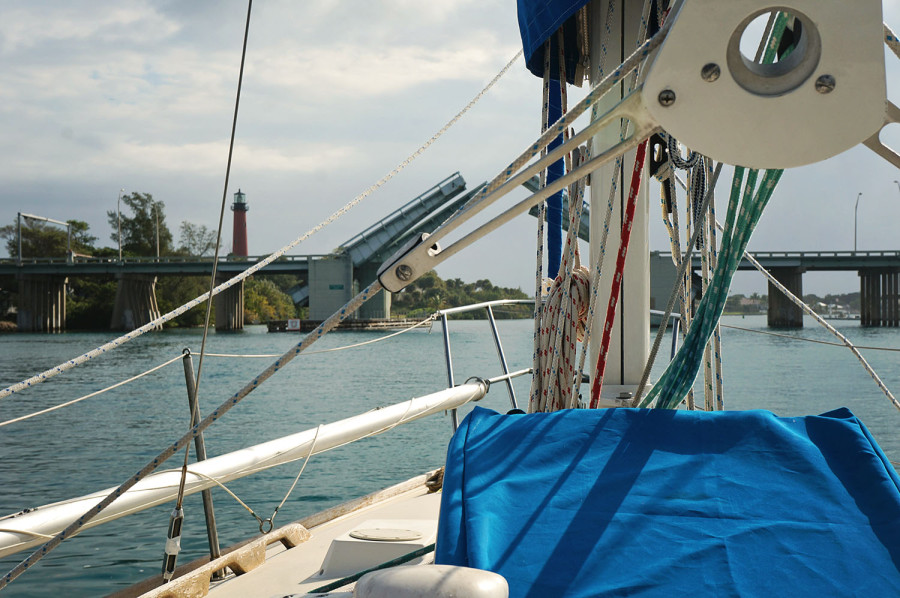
<point>538,20</point>
<point>626,502</point>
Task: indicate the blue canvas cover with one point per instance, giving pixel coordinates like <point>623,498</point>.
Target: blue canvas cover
<point>628,502</point>
<point>538,20</point>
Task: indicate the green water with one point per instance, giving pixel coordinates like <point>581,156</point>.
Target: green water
<point>100,442</point>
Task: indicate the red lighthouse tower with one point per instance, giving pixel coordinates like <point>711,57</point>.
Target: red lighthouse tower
<point>239,233</point>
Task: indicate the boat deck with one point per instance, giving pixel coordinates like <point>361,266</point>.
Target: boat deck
<point>298,570</point>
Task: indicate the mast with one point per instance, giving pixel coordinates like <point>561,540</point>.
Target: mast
<point>630,343</point>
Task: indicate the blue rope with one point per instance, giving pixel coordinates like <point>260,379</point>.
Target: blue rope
<point>554,203</point>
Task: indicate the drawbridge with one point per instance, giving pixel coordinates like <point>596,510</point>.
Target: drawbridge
<point>354,264</point>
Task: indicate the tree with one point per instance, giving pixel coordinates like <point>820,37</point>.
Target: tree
<point>43,239</point>
<point>197,239</point>
<point>263,301</point>
<point>139,231</point>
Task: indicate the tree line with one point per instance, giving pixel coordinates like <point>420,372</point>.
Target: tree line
<point>144,233</point>
<point>430,293</point>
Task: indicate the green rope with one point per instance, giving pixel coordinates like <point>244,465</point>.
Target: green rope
<point>745,206</point>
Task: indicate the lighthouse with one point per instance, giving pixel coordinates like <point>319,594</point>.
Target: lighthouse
<point>239,233</point>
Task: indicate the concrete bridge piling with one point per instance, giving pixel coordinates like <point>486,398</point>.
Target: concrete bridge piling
<point>42,303</point>
<point>230,307</point>
<point>879,297</point>
<point>782,312</point>
<point>135,302</point>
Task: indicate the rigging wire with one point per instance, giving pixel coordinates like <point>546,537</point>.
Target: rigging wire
<point>810,340</point>
<point>809,311</point>
<point>195,408</point>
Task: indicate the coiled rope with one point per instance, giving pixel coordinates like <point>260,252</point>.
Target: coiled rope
<point>55,371</point>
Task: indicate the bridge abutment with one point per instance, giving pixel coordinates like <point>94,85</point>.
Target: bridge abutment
<point>783,313</point>
<point>42,303</point>
<point>879,295</point>
<point>135,302</point>
<point>230,308</point>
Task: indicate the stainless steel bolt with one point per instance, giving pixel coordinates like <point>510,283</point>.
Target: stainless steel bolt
<point>710,72</point>
<point>666,97</point>
<point>825,84</point>
<point>403,272</point>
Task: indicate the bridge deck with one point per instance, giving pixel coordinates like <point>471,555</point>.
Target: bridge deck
<point>152,266</point>
<point>816,260</point>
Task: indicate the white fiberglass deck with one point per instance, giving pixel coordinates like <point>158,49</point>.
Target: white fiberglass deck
<point>297,570</point>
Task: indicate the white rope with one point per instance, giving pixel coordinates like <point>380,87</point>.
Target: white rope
<point>890,38</point>
<point>46,375</point>
<point>561,321</point>
<point>344,348</point>
<point>91,395</point>
<point>312,449</point>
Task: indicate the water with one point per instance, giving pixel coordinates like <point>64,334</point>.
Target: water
<point>100,442</point>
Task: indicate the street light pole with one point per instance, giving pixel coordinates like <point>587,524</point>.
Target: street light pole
<point>119,220</point>
<point>156,211</point>
<point>898,184</point>
<point>855,210</point>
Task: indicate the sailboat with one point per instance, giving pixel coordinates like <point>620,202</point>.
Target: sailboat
<point>617,486</point>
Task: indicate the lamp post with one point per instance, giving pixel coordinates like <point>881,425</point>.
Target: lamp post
<point>855,210</point>
<point>898,184</point>
<point>156,212</point>
<point>119,220</point>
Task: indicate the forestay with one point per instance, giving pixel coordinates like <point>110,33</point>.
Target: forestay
<point>661,503</point>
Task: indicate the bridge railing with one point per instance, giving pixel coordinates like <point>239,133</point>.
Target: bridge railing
<point>824,254</point>
<point>168,259</point>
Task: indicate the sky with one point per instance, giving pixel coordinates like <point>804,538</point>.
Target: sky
<point>138,95</point>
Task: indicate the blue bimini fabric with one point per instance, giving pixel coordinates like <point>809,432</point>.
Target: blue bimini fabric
<point>633,502</point>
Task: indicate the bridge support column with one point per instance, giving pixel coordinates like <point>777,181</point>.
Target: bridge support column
<point>230,307</point>
<point>135,302</point>
<point>379,306</point>
<point>42,303</point>
<point>879,292</point>
<point>782,311</point>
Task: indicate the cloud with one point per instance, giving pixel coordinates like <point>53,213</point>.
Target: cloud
<point>107,23</point>
<point>358,71</point>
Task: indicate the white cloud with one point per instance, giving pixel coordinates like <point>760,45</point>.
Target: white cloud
<point>360,71</point>
<point>110,22</point>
